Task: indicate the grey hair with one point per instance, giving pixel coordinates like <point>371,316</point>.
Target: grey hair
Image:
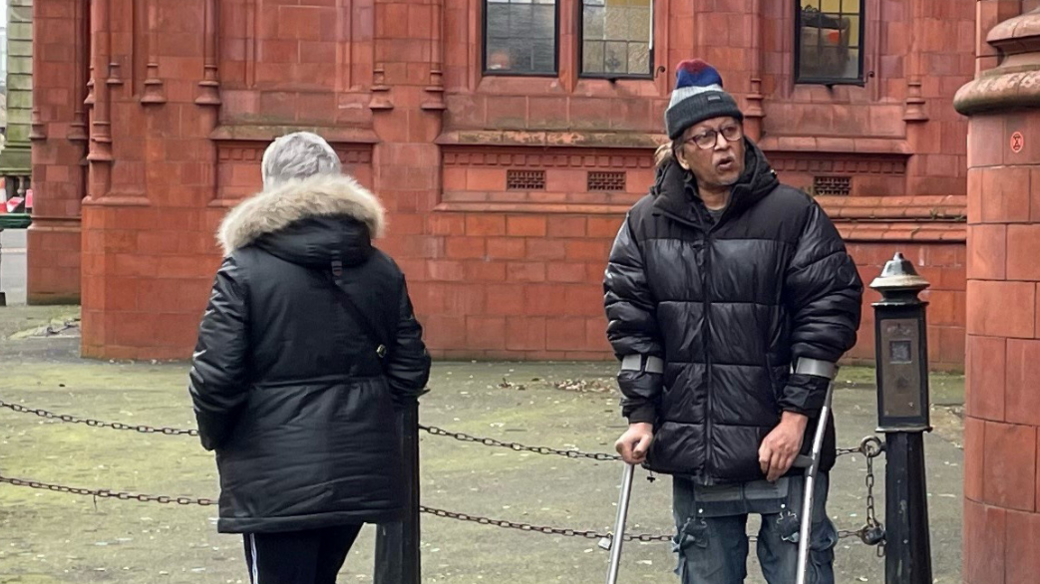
<point>666,152</point>
<point>295,156</point>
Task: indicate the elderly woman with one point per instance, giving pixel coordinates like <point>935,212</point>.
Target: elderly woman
<point>308,340</point>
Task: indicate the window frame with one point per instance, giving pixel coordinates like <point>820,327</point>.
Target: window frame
<point>580,4</point>
<point>859,80</point>
<point>499,73</point>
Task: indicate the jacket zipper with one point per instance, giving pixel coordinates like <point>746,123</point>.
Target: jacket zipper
<point>709,426</point>
<point>706,328</point>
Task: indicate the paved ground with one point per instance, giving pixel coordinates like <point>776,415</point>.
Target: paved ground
<point>48,538</point>
<point>12,265</point>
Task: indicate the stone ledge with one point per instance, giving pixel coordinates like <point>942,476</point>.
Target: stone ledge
<point>533,208</point>
<point>267,133</point>
<point>547,139</point>
<point>889,146</point>
<point>940,208</point>
<point>907,231</point>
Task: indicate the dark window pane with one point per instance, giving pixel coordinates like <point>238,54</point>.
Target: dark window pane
<point>544,55</point>
<point>497,20</point>
<point>520,36</point>
<point>624,25</point>
<point>521,22</point>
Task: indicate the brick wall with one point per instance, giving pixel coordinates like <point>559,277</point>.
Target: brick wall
<point>504,193</point>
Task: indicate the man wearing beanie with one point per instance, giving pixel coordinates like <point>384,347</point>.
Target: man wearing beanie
<point>730,297</point>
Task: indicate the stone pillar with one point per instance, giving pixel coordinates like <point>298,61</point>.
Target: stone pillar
<point>408,106</point>
<point>149,254</point>
<point>1002,498</point>
<point>57,132</point>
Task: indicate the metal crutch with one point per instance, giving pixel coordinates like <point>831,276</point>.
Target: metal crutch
<point>614,545</point>
<point>812,467</point>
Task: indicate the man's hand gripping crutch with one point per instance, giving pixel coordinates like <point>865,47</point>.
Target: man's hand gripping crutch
<point>632,446</point>
<point>811,463</point>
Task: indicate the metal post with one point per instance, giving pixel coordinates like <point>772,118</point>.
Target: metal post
<point>908,550</point>
<point>3,295</point>
<point>901,334</point>
<point>397,544</point>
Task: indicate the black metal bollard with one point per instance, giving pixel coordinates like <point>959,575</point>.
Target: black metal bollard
<point>903,416</point>
<point>3,295</point>
<point>397,544</point>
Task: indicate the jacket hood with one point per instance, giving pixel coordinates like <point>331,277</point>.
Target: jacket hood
<point>309,221</point>
<point>758,180</point>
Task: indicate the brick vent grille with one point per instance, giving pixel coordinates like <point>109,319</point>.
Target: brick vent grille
<point>834,186</point>
<point>525,180</point>
<point>606,181</point>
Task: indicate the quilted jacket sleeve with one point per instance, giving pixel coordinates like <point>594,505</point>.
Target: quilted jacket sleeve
<point>217,380</point>
<point>632,325</point>
<point>824,296</point>
<point>408,367</point>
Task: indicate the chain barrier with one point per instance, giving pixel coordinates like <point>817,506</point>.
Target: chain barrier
<point>98,423</point>
<point>872,533</point>
<point>432,430</point>
<point>106,493</point>
<point>479,519</point>
<point>517,447</point>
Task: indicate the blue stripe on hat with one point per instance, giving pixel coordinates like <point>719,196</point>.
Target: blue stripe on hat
<point>696,73</point>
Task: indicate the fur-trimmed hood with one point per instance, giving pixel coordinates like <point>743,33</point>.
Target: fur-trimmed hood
<point>322,197</point>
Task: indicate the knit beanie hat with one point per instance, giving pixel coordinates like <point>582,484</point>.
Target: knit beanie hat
<point>698,96</point>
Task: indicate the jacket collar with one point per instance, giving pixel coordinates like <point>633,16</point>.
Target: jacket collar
<point>675,189</point>
<point>275,209</point>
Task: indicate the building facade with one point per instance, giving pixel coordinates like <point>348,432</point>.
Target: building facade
<point>507,138</point>
<point>1002,427</point>
<point>15,163</point>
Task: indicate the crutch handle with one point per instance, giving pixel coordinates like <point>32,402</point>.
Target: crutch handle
<point>802,461</point>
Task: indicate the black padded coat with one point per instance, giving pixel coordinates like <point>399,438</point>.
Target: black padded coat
<point>728,306</point>
<point>287,387</point>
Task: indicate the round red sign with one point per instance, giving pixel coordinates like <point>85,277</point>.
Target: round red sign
<point>1018,141</point>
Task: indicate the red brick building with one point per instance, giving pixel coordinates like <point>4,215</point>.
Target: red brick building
<point>1002,428</point>
<point>506,137</point>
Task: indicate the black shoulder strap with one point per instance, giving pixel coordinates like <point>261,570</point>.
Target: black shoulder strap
<point>370,329</point>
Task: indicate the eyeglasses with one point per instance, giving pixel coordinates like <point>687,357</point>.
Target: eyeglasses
<point>706,140</point>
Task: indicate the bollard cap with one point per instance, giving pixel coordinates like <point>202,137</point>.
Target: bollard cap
<point>899,274</point>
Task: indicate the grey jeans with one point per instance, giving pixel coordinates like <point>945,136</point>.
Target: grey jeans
<point>713,547</point>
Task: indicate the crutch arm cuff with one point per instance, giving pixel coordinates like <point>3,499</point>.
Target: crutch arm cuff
<point>804,394</point>
<point>816,367</point>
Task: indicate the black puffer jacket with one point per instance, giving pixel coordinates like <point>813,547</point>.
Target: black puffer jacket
<point>728,307</point>
<point>287,387</point>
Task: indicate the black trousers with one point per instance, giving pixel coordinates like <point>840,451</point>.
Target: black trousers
<point>299,557</point>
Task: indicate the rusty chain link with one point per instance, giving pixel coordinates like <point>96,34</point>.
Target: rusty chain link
<point>873,533</point>
<point>566,532</point>
<point>517,447</point>
<point>106,493</point>
<point>98,423</point>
